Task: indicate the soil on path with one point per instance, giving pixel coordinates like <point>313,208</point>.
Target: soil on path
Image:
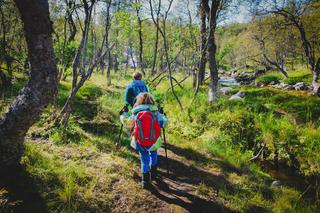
<point>178,190</point>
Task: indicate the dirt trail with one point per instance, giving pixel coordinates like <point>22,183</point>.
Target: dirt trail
<point>178,190</point>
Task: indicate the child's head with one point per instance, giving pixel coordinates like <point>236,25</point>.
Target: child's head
<point>137,76</point>
<point>144,98</point>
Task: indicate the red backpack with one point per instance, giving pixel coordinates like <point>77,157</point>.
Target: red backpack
<point>147,128</point>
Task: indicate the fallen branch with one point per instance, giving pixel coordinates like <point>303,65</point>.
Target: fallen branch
<point>256,157</point>
<point>181,81</point>
<point>157,76</point>
<point>177,82</point>
<point>163,77</point>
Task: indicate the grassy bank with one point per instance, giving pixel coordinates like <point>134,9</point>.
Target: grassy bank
<point>294,76</point>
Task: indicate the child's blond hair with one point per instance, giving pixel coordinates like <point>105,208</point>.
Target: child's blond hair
<point>144,98</point>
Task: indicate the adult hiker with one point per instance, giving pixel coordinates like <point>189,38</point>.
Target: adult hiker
<point>136,87</point>
<point>147,122</point>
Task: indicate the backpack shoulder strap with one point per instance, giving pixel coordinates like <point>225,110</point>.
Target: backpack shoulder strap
<point>154,118</point>
<point>140,134</point>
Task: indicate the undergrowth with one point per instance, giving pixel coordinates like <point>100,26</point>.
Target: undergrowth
<point>78,170</point>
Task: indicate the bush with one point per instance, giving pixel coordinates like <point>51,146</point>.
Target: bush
<point>71,134</point>
<point>267,79</point>
<point>308,151</point>
<point>280,135</point>
<point>239,125</point>
<point>295,78</point>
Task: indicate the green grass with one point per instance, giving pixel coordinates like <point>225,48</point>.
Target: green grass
<point>267,79</point>
<point>295,76</point>
<point>232,131</point>
<point>77,169</point>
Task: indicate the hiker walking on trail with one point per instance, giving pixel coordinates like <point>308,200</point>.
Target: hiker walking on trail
<point>136,87</point>
<point>147,122</point>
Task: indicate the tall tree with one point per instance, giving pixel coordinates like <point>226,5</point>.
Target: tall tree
<point>107,38</point>
<point>137,7</point>
<point>163,31</point>
<point>273,55</point>
<point>155,51</point>
<point>213,16</point>
<point>79,66</point>
<point>204,10</point>
<point>41,86</point>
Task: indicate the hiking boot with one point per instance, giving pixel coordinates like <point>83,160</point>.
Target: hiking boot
<point>154,172</point>
<point>145,182</point>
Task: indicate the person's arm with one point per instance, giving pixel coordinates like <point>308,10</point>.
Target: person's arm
<point>126,96</point>
<point>127,120</point>
<point>163,120</point>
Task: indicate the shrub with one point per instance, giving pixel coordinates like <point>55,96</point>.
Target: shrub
<point>71,134</point>
<point>239,125</point>
<point>267,79</point>
<point>280,135</point>
<point>295,78</point>
<point>308,151</point>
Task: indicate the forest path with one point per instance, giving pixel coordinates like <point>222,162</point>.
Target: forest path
<point>179,190</point>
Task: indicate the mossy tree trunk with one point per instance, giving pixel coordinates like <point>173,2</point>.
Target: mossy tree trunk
<point>203,29</point>
<point>214,9</point>
<point>41,86</point>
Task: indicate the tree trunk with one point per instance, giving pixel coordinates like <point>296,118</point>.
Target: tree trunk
<point>141,63</point>
<point>213,69</point>
<point>203,30</point>
<point>315,78</point>
<point>5,81</point>
<point>309,53</point>
<point>127,59</point>
<point>68,106</point>
<point>41,87</point>
<point>166,50</point>
<point>72,25</point>
<point>212,51</point>
<point>107,29</point>
<point>132,58</point>
<point>109,69</point>
<point>77,66</point>
<point>153,71</point>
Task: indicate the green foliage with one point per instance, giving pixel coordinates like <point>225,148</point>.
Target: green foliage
<point>70,134</point>
<point>65,51</point>
<point>301,77</point>
<point>69,178</point>
<point>225,50</point>
<point>238,124</point>
<point>267,79</point>
<point>308,151</point>
<point>80,166</point>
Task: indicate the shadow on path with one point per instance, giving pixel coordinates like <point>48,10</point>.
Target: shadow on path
<point>202,159</point>
<point>179,187</point>
<point>22,189</point>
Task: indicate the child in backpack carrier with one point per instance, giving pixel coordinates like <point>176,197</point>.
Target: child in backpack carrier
<point>147,122</point>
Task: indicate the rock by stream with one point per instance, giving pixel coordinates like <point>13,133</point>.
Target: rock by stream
<point>299,86</point>
<point>246,78</point>
<point>238,96</point>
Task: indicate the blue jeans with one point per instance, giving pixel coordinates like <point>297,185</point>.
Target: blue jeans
<point>145,157</point>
